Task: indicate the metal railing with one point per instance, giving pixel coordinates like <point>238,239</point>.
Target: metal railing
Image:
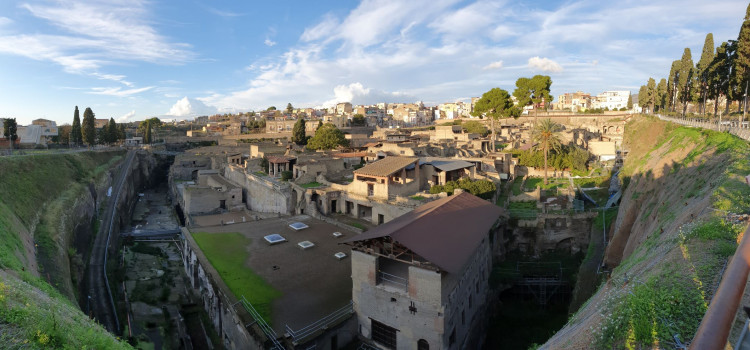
<point>299,336</point>
<point>740,130</point>
<point>267,330</point>
<point>717,323</point>
<point>387,278</point>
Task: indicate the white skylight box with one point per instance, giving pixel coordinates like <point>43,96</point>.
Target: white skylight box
<point>298,226</point>
<point>340,255</point>
<point>306,245</point>
<point>337,234</point>
<point>274,239</point>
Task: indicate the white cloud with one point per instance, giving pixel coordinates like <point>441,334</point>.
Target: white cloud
<point>269,42</point>
<point>494,65</point>
<point>223,13</point>
<point>118,91</point>
<point>544,64</point>
<point>126,117</point>
<point>188,107</point>
<point>357,94</point>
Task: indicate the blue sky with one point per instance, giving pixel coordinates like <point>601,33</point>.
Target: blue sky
<point>135,59</point>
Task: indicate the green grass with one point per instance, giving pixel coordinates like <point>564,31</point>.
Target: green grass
<point>311,184</point>
<point>516,187</point>
<point>31,319</point>
<point>609,214</point>
<point>260,173</point>
<point>419,198</point>
<point>228,254</point>
<point>358,225</point>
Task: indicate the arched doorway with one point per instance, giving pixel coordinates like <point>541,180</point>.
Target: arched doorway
<point>423,345</point>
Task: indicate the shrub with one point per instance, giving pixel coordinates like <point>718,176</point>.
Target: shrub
<point>286,175</point>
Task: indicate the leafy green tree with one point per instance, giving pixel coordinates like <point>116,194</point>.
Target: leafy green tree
<point>545,136</point>
<point>533,91</point>
<point>495,104</point>
<point>662,94</point>
<point>641,96</point>
<point>703,69</point>
<point>272,108</point>
<point>475,127</point>
<point>88,127</point>
<point>298,132</point>
<point>121,132</point>
<point>358,120</point>
<point>289,108</point>
<point>320,123</point>
<point>327,137</point>
<point>10,131</point>
<point>112,131</point>
<point>75,132</point>
<point>684,79</point>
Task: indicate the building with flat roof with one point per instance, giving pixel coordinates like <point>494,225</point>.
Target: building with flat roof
<point>421,280</point>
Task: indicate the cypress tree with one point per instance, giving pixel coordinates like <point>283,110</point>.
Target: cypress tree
<point>685,75</point>
<point>672,84</point>
<point>651,94</point>
<point>641,97</point>
<point>112,131</point>
<point>147,136</point>
<point>703,68</point>
<point>88,128</point>
<point>661,94</point>
<point>742,55</point>
<point>75,130</point>
<point>298,132</point>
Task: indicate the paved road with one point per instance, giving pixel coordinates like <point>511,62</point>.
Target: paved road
<point>100,303</point>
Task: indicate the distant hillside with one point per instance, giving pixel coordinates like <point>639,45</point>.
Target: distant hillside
<point>41,197</point>
<point>674,232</point>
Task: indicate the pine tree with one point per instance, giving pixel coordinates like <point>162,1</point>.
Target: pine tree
<point>298,132</point>
<point>88,128</point>
<point>75,131</point>
<point>703,68</point>
<point>289,108</point>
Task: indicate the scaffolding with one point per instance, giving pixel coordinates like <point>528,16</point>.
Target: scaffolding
<point>542,280</point>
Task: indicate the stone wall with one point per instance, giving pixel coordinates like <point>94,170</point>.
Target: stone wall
<point>261,194</point>
<point>227,317</point>
<point>552,232</point>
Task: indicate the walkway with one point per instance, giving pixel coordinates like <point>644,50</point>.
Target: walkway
<point>100,302</point>
<point>733,127</point>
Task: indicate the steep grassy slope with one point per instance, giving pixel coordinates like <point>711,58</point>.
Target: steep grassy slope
<point>673,234</point>
<point>37,197</point>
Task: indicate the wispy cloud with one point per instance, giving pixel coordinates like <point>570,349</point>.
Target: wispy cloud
<point>223,13</point>
<point>269,42</point>
<point>93,35</point>
<point>118,91</point>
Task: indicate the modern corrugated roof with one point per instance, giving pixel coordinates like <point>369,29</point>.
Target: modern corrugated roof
<point>449,165</point>
<point>446,232</point>
<point>386,166</point>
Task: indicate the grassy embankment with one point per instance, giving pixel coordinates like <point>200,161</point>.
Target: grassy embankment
<point>227,253</point>
<point>35,192</point>
<point>662,286</point>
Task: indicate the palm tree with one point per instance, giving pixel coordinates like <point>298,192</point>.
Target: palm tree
<point>545,137</point>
